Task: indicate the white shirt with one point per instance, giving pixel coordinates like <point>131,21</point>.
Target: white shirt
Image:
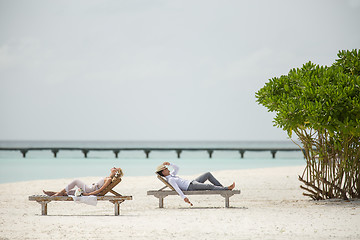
<point>177,183</point>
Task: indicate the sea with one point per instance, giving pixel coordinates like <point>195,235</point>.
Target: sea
<point>41,164</point>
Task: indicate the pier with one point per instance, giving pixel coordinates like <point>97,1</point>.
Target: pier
<point>147,151</point>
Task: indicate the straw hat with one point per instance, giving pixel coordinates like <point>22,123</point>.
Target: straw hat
<point>160,168</point>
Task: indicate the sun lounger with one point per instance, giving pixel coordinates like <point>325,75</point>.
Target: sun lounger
<point>161,193</point>
<point>117,199</point>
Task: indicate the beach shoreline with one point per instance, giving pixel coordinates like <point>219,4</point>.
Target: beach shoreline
<point>270,206</point>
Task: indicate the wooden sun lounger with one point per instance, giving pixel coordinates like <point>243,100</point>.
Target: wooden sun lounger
<point>161,193</point>
<point>44,200</point>
<point>117,199</point>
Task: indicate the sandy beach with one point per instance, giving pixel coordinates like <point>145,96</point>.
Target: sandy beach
<point>270,206</point>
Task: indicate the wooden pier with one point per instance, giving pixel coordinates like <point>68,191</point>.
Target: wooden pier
<point>147,151</point>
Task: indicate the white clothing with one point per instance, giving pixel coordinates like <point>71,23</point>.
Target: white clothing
<point>99,184</point>
<point>86,188</point>
<point>89,200</point>
<point>177,183</point>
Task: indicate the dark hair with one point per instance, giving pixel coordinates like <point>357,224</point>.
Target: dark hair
<point>160,173</point>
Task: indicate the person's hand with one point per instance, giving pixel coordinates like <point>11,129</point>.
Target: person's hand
<point>188,201</point>
<point>166,163</point>
<point>85,194</point>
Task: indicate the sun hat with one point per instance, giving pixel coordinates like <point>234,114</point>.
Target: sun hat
<point>160,168</point>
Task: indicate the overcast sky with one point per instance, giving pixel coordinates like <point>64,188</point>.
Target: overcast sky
<point>157,70</point>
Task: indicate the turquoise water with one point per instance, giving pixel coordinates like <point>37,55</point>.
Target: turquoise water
<point>71,164</point>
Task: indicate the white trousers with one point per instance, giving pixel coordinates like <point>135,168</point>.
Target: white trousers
<point>80,184</point>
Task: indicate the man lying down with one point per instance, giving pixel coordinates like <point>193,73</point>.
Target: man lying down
<point>180,184</point>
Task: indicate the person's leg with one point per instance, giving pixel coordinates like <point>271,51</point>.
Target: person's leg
<point>195,185</point>
<point>210,177</point>
<point>68,189</point>
<point>61,193</point>
<point>49,193</point>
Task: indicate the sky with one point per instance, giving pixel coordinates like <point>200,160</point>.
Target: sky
<point>158,70</point>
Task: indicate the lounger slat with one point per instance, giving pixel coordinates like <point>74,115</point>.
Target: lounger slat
<point>65,198</point>
<point>199,192</point>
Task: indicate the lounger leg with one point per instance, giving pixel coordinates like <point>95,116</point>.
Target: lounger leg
<point>117,207</point>
<point>44,207</point>
<point>161,199</point>
<point>161,202</point>
<point>227,201</point>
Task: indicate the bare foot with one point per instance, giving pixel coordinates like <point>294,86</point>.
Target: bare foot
<point>232,186</point>
<point>49,193</point>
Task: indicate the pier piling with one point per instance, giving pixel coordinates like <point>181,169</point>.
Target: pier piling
<point>242,153</point>
<point>147,153</point>
<point>55,151</point>
<point>85,152</point>
<point>273,152</point>
<point>178,152</point>
<point>116,152</point>
<point>23,151</point>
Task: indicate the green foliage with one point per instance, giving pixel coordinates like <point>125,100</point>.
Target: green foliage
<point>322,98</point>
<point>349,62</point>
<point>321,105</point>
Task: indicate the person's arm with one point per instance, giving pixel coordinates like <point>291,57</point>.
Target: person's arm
<point>106,183</point>
<point>175,169</point>
<point>173,183</point>
<point>178,190</point>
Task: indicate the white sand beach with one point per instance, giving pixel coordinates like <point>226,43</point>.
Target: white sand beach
<point>270,206</point>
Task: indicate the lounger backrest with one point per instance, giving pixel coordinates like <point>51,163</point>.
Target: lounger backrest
<point>164,181</point>
<point>115,181</point>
